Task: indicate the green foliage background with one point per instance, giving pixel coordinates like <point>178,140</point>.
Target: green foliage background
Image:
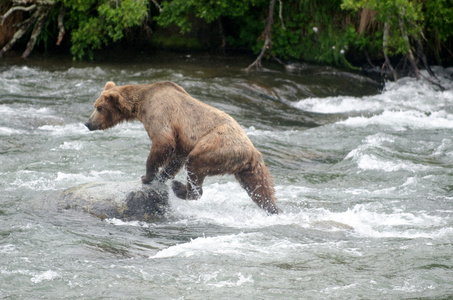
<point>94,24</point>
<point>321,31</point>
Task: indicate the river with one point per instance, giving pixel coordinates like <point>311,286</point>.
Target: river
<point>363,172</point>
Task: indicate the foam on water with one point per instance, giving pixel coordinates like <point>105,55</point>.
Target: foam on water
<point>45,276</point>
<point>7,110</point>
<point>35,277</point>
<point>235,245</point>
<point>70,145</point>
<point>445,148</point>
<point>287,134</point>
<point>406,94</point>
<point>67,130</point>
<point>92,72</point>
<point>6,131</point>
<point>227,205</point>
<point>362,220</point>
<point>404,120</point>
<point>330,105</point>
<point>225,245</point>
<point>369,221</point>
<point>38,181</point>
<point>8,248</point>
<point>132,129</point>
<point>371,162</point>
<point>368,161</point>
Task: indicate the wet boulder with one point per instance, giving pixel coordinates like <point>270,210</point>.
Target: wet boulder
<point>128,200</point>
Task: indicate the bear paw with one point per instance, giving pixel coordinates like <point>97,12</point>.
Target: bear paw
<point>146,180</point>
<point>179,189</point>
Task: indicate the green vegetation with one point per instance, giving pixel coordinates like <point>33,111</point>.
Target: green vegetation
<point>179,11</point>
<point>316,31</point>
<point>95,24</point>
<point>333,32</point>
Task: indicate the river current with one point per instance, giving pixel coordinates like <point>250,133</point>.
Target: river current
<point>363,172</point>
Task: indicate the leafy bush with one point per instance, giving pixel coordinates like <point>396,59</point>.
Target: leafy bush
<point>97,23</point>
<point>321,31</point>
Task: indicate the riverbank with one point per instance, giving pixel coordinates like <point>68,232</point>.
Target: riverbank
<point>398,38</point>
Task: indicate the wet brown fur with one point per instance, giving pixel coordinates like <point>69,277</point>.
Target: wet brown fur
<point>186,132</point>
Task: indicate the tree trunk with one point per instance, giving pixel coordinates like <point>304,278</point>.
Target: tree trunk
<point>222,36</point>
<point>384,46</point>
<point>267,39</point>
<point>408,45</point>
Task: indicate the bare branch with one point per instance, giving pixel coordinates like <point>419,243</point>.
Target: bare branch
<point>61,29</point>
<point>157,5</point>
<point>16,8</point>
<point>422,56</point>
<point>38,2</point>
<point>43,14</point>
<point>409,50</point>
<point>280,15</point>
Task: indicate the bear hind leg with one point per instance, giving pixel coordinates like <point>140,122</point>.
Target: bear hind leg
<point>179,188</point>
<point>260,189</point>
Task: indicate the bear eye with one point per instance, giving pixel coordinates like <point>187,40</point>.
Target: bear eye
<point>99,109</point>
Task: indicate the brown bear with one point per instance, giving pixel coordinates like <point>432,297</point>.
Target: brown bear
<point>186,132</point>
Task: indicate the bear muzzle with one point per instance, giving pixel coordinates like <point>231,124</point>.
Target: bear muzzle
<point>88,125</point>
<point>91,126</point>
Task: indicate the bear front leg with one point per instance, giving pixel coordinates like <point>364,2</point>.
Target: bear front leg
<point>172,168</point>
<point>156,159</point>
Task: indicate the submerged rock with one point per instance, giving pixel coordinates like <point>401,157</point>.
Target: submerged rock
<point>129,200</point>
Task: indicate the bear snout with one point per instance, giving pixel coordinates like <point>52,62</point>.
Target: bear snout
<point>90,126</point>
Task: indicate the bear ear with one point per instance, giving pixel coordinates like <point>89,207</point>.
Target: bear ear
<point>109,85</point>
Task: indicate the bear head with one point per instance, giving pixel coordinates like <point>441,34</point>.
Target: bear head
<point>109,109</point>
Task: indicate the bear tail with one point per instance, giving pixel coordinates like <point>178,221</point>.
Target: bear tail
<point>258,183</point>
